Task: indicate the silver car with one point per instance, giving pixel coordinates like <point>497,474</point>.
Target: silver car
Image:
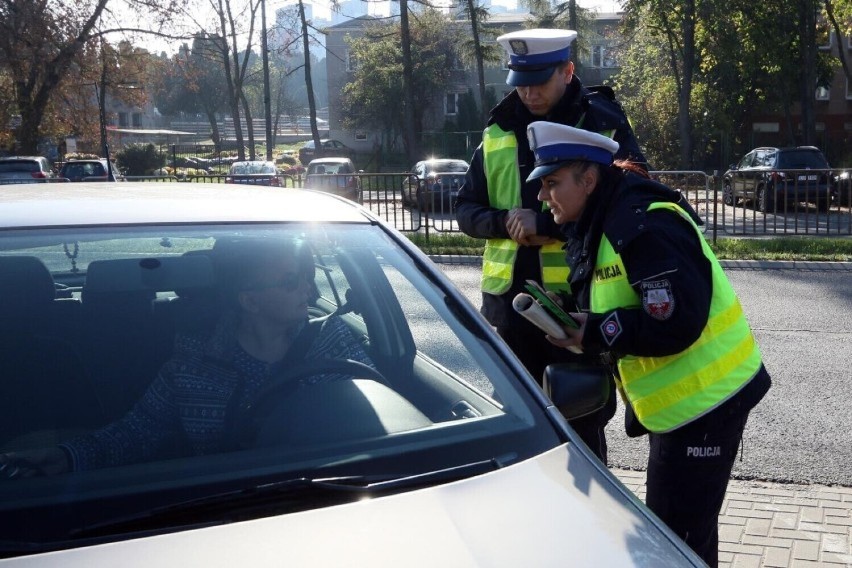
<point>25,169</point>
<point>440,450</point>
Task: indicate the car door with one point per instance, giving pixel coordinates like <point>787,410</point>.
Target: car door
<point>742,185</point>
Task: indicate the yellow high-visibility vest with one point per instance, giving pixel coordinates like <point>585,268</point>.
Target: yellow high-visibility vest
<point>500,160</point>
<point>668,392</point>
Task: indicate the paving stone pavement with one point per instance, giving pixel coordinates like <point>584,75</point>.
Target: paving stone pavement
<point>777,525</point>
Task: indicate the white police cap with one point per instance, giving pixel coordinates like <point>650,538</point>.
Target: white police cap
<point>534,54</point>
<point>554,145</point>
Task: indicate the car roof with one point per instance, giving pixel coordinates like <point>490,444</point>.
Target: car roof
<point>126,203</point>
<point>329,161</point>
<point>787,148</point>
<point>13,158</point>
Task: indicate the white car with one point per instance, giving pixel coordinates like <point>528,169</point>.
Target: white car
<point>444,452</point>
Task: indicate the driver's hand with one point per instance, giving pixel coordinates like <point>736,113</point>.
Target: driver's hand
<point>32,463</point>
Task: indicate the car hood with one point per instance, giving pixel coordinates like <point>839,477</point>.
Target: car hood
<point>554,510</point>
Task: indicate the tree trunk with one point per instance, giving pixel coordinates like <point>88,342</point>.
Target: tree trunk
<point>685,91</point>
<point>309,85</point>
<point>249,128</point>
<point>807,45</point>
<point>409,135</point>
<point>480,70</point>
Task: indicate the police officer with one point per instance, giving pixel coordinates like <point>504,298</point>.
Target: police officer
<point>654,301</point>
<point>496,203</point>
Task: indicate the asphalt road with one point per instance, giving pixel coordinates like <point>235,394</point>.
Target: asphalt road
<point>801,432</point>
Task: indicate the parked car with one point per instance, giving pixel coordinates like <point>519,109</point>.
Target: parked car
<point>334,175</point>
<point>444,452</point>
<point>843,187</point>
<point>434,184</point>
<point>775,178</point>
<point>254,172</point>
<point>24,169</point>
<point>87,170</point>
<point>330,149</point>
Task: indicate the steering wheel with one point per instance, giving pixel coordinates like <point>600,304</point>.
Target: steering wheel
<point>277,397</point>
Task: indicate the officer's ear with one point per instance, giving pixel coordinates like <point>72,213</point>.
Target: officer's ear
<point>567,71</point>
<point>589,178</point>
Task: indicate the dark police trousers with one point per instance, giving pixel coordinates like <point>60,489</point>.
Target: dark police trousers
<point>688,472</point>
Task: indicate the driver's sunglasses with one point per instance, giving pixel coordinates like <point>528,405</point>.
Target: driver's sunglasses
<point>289,282</point>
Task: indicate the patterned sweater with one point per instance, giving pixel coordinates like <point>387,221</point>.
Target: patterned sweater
<point>188,408</point>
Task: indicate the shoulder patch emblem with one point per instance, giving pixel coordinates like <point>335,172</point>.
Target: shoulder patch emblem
<point>611,328</point>
<point>657,299</point>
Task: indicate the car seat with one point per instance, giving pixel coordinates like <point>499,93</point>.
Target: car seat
<point>46,395</point>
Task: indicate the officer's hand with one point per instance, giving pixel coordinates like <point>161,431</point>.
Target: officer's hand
<point>521,225</point>
<point>574,337</point>
<point>31,463</point>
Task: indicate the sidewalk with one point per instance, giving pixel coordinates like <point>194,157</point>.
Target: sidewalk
<point>777,525</point>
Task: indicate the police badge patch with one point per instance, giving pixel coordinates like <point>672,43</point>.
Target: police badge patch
<point>519,46</point>
<point>611,328</point>
<point>657,299</point>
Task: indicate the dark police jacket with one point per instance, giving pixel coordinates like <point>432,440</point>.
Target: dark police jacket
<point>599,111</point>
<point>653,245</point>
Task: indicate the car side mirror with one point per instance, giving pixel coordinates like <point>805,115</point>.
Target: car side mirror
<point>577,389</point>
<point>732,167</point>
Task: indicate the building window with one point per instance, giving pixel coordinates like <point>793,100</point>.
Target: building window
<point>603,56</point>
<point>137,120</point>
<point>452,105</point>
<point>822,94</point>
<point>825,37</point>
<point>122,120</point>
<point>351,62</point>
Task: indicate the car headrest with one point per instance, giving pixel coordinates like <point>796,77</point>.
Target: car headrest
<point>25,285</point>
<point>149,275</point>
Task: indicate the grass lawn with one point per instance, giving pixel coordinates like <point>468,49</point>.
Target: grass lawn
<point>781,248</point>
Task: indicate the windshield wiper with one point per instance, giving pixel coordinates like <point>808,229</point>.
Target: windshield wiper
<point>277,497</point>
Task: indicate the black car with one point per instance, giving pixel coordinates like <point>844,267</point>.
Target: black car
<point>434,184</point>
<point>87,170</point>
<point>775,178</point>
<point>329,149</point>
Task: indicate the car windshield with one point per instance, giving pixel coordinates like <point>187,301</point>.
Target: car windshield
<point>252,168</point>
<point>802,159</point>
<point>124,349</point>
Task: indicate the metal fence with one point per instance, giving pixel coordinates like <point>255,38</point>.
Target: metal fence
<point>805,214</point>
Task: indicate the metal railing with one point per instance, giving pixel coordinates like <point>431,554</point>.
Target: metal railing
<point>385,195</point>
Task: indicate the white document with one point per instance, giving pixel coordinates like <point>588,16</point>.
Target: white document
<point>526,305</point>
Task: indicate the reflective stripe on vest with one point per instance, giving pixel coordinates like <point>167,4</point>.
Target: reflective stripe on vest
<point>503,175</point>
<point>668,392</point>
